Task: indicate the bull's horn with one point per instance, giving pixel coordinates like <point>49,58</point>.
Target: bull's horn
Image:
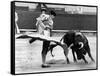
<point>81,43</point>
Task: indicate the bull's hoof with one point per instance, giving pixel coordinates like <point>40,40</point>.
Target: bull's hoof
<point>93,60</point>
<point>68,62</point>
<point>86,62</point>
<point>75,61</point>
<point>79,58</point>
<point>45,65</point>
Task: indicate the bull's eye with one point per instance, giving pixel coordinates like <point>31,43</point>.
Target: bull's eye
<point>77,45</point>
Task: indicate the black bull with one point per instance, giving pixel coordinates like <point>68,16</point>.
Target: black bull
<point>78,43</point>
<point>70,40</point>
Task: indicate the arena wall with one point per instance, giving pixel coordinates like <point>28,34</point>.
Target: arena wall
<point>27,20</point>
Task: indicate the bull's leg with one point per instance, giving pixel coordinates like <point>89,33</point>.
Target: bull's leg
<point>65,47</point>
<point>68,62</point>
<point>73,52</point>
<point>91,56</point>
<point>87,48</point>
<point>84,60</point>
<point>44,53</point>
<point>66,55</point>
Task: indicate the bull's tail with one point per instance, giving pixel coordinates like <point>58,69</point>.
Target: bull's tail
<point>51,48</point>
<point>52,53</point>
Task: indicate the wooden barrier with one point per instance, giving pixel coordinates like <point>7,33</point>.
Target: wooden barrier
<point>27,20</point>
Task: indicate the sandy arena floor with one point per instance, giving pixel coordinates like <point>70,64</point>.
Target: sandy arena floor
<point>28,57</point>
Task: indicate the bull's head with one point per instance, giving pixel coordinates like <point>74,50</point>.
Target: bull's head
<point>79,45</point>
<point>79,41</point>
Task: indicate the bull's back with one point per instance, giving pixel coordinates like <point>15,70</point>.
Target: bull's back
<point>69,38</point>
